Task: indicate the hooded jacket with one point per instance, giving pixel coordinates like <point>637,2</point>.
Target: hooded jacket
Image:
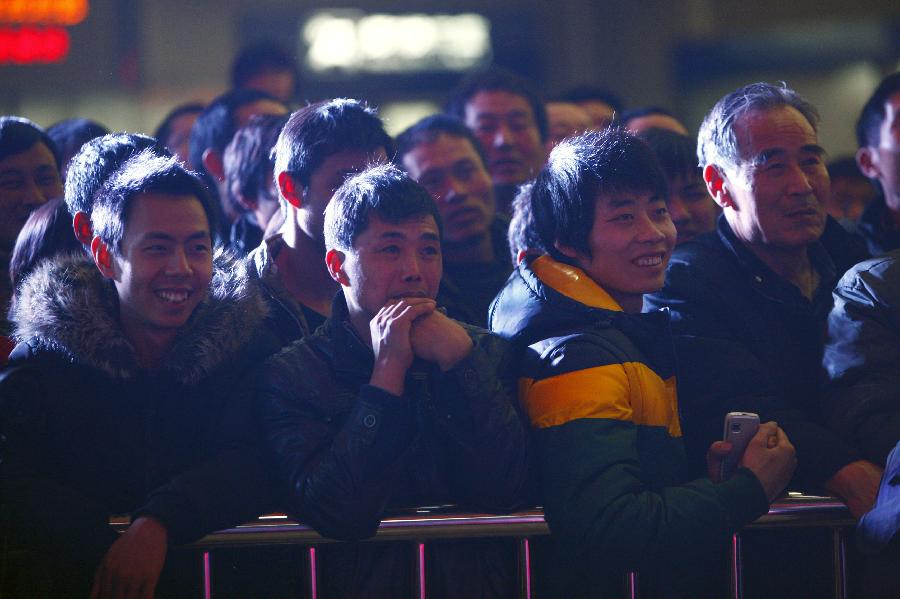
<point>598,385</point>
<point>87,433</point>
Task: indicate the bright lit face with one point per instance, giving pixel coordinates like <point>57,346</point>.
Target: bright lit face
<point>692,210</point>
<point>324,181</point>
<point>165,264</point>
<point>776,195</point>
<point>601,113</point>
<point>630,243</point>
<point>507,128</point>
<point>565,119</point>
<point>391,261</point>
<point>453,173</point>
<point>27,180</point>
<point>885,157</point>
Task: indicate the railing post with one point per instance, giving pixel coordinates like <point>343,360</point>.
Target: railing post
<point>839,544</point>
<point>524,569</point>
<point>313,572</point>
<point>419,571</point>
<point>207,577</point>
<point>631,585</point>
<point>737,567</point>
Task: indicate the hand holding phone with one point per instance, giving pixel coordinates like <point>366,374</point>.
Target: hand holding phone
<point>740,428</point>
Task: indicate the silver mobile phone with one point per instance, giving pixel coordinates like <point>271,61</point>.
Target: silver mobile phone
<point>740,427</point>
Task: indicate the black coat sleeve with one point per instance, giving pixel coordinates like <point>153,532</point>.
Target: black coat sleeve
<point>862,357</point>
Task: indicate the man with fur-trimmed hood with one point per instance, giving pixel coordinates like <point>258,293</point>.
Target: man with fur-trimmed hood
<point>117,396</point>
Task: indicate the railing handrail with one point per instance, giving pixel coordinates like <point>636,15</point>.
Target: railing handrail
<point>440,522</point>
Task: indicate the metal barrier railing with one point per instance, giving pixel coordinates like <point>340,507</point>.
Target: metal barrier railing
<point>432,523</point>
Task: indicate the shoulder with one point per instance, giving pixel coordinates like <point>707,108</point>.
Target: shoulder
<point>878,278</point>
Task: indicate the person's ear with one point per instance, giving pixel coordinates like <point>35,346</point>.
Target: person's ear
<point>81,224</point>
<point>102,258</point>
<point>717,186</point>
<point>212,162</point>
<point>334,260</point>
<point>867,161</point>
<point>289,190</point>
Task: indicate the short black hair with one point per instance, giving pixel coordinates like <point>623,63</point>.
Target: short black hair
<point>590,93</point>
<point>97,160</point>
<point>146,172</point>
<point>249,162</point>
<point>18,134</point>
<point>429,129</point>
<point>383,190</point>
<point>677,153</point>
<point>260,58</point>
<point>164,130</point>
<point>216,125</point>
<point>498,79</point>
<point>872,114</point>
<point>579,171</point>
<point>71,134</point>
<point>46,233</point>
<point>319,130</point>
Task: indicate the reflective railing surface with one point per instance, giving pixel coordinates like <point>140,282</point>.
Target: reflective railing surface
<point>441,522</point>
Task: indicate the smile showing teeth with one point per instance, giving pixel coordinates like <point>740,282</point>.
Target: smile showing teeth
<point>175,297</point>
<point>648,261</point>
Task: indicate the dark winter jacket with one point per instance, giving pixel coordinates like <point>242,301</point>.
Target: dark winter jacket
<point>87,433</point>
<point>349,453</point>
<point>747,340</point>
<point>599,389</point>
<point>862,357</point>
<point>876,228</point>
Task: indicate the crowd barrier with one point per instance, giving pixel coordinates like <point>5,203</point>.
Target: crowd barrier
<point>440,522</point>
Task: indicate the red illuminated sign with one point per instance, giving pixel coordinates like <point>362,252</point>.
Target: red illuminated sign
<point>27,45</point>
<point>32,32</point>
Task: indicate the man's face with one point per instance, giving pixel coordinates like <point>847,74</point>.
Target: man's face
<point>564,120</point>
<point>776,195</point>
<point>631,242</point>
<point>275,82</point>
<point>27,180</point>
<point>601,113</point>
<point>243,114</point>
<point>324,181</point>
<point>391,261</point>
<point>506,126</point>
<point>165,265</point>
<point>454,174</point>
<point>179,139</point>
<point>656,121</point>
<point>692,210</point>
<point>886,156</point>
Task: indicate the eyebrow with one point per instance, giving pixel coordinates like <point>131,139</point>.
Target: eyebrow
<point>620,202</point>
<point>167,237</point>
<point>769,154</point>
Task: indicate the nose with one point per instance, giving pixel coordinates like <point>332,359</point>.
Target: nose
<point>34,195</point>
<point>455,192</point>
<point>677,210</point>
<point>178,263</point>
<point>648,230</point>
<point>798,182</point>
<point>503,136</point>
<point>412,271</point>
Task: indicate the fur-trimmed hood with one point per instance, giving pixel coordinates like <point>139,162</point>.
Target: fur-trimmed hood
<point>66,306</point>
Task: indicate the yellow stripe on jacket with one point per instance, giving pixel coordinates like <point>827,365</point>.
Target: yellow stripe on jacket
<point>629,392</point>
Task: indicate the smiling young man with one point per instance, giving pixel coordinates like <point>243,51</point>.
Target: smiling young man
<point>597,381</point>
<point>391,404</point>
<point>445,158</point>
<point>116,400</point>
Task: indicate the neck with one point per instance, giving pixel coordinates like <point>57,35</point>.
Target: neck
<point>478,250</point>
<point>360,323</point>
<point>302,271</point>
<point>150,347</point>
<point>791,264</point>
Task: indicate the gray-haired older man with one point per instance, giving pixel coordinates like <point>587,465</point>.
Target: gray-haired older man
<point>749,301</point>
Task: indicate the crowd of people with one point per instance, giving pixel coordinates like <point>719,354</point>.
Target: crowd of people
<point>513,303</point>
